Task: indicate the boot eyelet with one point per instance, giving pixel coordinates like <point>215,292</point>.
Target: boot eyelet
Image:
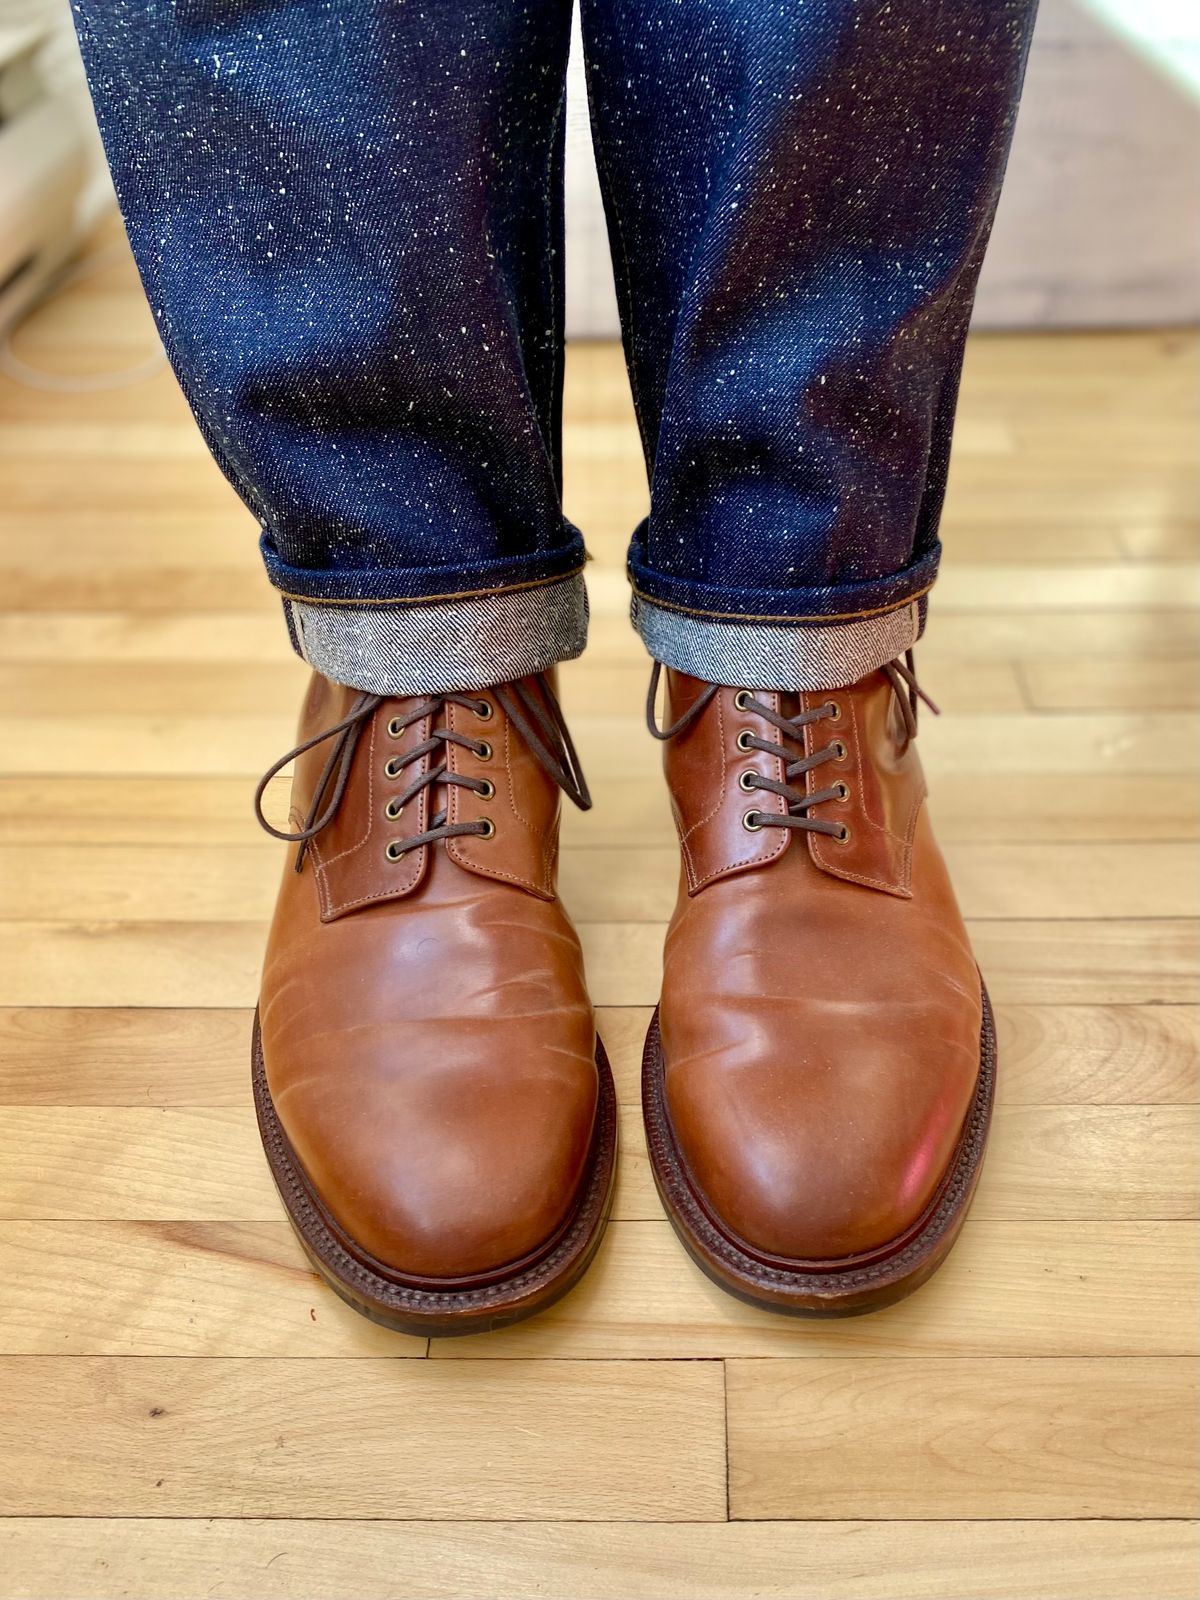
<point>742,699</point>
<point>392,810</point>
<point>488,829</point>
<point>834,713</point>
<point>484,711</point>
<point>752,821</point>
<point>843,834</point>
<point>744,738</point>
<point>395,728</point>
<point>839,750</point>
<point>488,792</point>
<point>391,769</point>
<point>843,791</point>
<point>748,780</point>
<point>393,851</point>
<point>483,750</point>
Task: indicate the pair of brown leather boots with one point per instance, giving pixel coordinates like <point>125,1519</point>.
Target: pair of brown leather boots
<point>435,1103</point>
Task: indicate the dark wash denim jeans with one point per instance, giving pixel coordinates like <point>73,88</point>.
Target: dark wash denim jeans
<point>348,218</point>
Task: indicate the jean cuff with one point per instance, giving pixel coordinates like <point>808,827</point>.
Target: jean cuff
<point>776,653</point>
<point>465,643</point>
<point>813,638</point>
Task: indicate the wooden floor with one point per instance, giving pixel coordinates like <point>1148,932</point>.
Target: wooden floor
<point>185,1410</point>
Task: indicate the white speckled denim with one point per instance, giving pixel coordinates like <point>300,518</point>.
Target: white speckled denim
<point>348,218</point>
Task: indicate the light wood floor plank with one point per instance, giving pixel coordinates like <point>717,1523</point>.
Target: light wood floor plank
<point>137,1163</point>
<point>184,811</point>
<point>1161,539</point>
<point>145,681</point>
<point>229,1289</point>
<point>275,685</point>
<point>1090,683</point>
<point>140,1559</point>
<point>981,745</point>
<point>1063,963</point>
<point>246,1438</point>
<point>1049,1055</point>
<point>175,1289</point>
<point>1123,586</point>
<point>1137,1296</point>
<point>1028,1438</point>
<point>180,588</point>
<point>630,883</point>
<point>217,963</point>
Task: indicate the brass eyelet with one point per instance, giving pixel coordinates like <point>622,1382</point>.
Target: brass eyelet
<point>751,821</point>
<point>744,738</point>
<point>843,834</point>
<point>488,830</point>
<point>748,780</point>
<point>488,792</point>
<point>392,810</point>
<point>742,699</point>
<point>484,711</point>
<point>484,752</point>
<point>839,750</point>
<point>395,728</point>
<point>391,769</point>
<point>393,851</point>
<point>843,791</point>
<point>834,713</point>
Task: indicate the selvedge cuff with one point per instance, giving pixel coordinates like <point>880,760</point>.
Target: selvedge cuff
<point>777,655</point>
<point>437,646</point>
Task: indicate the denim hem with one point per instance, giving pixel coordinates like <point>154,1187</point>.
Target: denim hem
<point>766,655</point>
<point>814,603</point>
<point>421,586</point>
<point>465,644</point>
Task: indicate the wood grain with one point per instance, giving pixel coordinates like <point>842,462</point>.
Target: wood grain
<point>182,811</point>
<point>1050,1055</point>
<point>142,1559</point>
<point>137,1162</point>
<point>185,1409</point>
<point>1026,962</point>
<point>1067,962</point>
<point>213,883</point>
<point>1098,1289</point>
<point>102,1437</point>
<point>1029,1438</point>
<point>223,1289</point>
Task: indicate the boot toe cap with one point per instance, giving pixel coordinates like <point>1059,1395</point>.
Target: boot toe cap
<point>449,1172</point>
<point>802,1170</point>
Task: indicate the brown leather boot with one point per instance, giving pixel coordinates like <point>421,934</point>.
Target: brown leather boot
<point>435,1105</point>
<point>818,1078</point>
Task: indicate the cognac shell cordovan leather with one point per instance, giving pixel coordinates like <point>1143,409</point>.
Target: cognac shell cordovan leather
<point>821,1009</point>
<point>428,1042</point>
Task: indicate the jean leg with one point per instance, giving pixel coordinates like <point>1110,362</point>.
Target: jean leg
<point>799,199</point>
<point>348,221</point>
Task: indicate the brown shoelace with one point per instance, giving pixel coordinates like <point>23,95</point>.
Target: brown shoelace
<point>908,694</point>
<point>544,730</point>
